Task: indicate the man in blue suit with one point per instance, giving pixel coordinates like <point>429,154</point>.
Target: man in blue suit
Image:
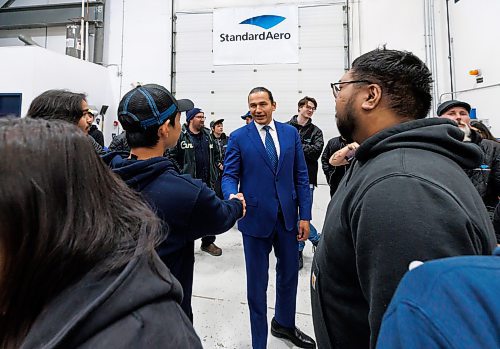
<point>266,160</point>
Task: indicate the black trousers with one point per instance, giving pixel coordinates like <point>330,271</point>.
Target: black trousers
<point>207,240</point>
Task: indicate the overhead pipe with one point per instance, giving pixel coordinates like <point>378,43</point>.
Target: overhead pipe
<point>99,35</point>
<point>173,56</point>
<point>82,25</point>
<point>87,41</point>
<point>348,35</point>
<point>430,47</point>
<point>434,58</point>
<point>450,57</point>
<point>467,90</point>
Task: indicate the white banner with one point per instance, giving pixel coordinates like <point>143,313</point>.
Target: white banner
<point>255,35</point>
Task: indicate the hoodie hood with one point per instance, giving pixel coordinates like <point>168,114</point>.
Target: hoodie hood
<point>438,135</point>
<point>98,301</point>
<point>138,173</point>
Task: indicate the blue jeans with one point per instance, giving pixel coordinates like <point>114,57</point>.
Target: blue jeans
<point>313,235</point>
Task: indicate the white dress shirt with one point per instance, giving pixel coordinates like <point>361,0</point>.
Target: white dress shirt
<point>273,133</point>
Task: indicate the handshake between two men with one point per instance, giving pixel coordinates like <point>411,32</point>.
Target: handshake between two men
<point>303,227</point>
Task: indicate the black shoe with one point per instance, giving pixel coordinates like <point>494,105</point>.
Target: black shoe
<point>212,249</point>
<point>294,335</point>
<point>301,260</point>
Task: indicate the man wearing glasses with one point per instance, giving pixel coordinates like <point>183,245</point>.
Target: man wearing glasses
<point>405,197</point>
<point>312,141</point>
<point>196,155</point>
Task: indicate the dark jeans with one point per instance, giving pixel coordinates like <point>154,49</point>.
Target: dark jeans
<point>207,240</point>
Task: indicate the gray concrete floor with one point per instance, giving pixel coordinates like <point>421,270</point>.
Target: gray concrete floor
<point>221,316</point>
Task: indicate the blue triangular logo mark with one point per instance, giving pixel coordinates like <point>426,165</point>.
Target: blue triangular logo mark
<point>265,21</point>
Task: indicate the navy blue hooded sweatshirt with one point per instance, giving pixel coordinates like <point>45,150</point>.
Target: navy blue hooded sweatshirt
<point>189,208</point>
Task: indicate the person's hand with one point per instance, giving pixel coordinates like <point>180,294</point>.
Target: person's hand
<point>353,146</point>
<point>240,197</point>
<point>343,156</point>
<point>304,230</point>
<point>337,159</point>
<point>351,150</point>
<point>221,167</point>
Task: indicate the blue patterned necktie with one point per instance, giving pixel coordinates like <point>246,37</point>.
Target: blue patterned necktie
<point>271,148</point>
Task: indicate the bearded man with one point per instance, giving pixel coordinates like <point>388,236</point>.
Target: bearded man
<point>404,198</point>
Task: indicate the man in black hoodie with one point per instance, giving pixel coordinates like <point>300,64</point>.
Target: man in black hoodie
<point>404,198</point>
<point>190,210</point>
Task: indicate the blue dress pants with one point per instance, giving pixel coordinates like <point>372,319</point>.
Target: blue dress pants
<point>257,252</point>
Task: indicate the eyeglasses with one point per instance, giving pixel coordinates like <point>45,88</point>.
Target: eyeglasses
<point>201,117</point>
<point>336,85</point>
<point>310,108</point>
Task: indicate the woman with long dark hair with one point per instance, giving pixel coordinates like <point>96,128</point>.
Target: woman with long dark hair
<point>77,260</point>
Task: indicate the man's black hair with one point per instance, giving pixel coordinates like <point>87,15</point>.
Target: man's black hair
<point>405,80</point>
<point>262,89</point>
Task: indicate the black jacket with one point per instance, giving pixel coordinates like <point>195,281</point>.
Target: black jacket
<point>333,174</point>
<point>183,155</point>
<point>220,145</point>
<point>119,143</point>
<point>311,138</point>
<point>404,198</point>
<point>137,307</point>
<point>95,133</point>
<point>97,147</point>
<point>486,177</point>
<point>189,208</point>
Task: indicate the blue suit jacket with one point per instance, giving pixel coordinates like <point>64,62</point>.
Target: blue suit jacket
<point>247,165</point>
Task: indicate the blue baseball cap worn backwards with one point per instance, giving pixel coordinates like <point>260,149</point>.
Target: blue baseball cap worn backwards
<point>149,105</point>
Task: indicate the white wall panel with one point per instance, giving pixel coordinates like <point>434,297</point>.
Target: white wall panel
<point>475,31</point>
<point>399,24</point>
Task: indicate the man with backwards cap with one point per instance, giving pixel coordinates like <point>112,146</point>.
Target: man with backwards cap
<point>150,116</point>
<point>486,177</point>
<point>195,155</point>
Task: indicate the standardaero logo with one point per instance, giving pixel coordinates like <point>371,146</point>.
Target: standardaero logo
<point>264,21</point>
